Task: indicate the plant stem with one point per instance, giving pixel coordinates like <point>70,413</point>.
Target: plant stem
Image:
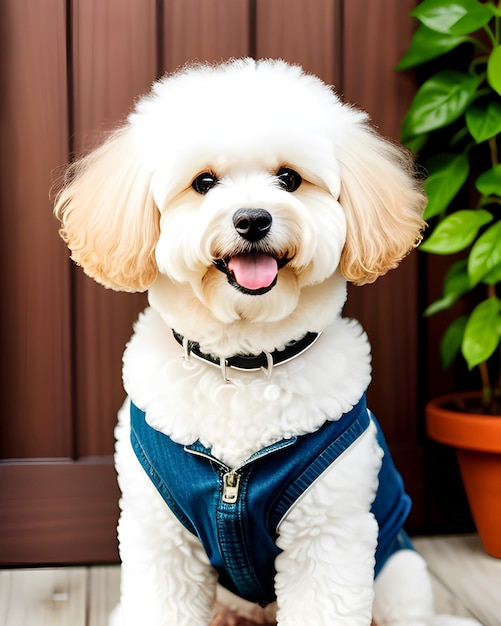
<point>491,35</point>
<point>487,388</point>
<point>486,385</point>
<point>497,388</point>
<point>494,151</point>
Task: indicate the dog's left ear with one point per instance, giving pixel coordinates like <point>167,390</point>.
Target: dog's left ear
<point>383,202</point>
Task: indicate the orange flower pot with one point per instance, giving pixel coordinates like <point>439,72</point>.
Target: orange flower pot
<point>477,440</point>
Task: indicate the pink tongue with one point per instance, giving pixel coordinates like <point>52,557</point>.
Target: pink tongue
<point>253,271</point>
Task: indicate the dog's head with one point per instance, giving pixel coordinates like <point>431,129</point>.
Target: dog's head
<point>236,188</point>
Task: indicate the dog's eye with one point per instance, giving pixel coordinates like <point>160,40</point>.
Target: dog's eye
<point>289,179</point>
<point>204,182</point>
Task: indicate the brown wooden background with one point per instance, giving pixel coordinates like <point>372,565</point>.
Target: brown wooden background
<point>69,70</point>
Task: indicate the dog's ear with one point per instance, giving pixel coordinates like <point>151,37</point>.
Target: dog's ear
<point>383,202</point>
<point>108,217</point>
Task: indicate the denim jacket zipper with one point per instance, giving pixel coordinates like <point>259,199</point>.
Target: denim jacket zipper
<point>231,478</point>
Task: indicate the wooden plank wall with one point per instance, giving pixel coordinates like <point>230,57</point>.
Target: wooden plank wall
<point>70,70</point>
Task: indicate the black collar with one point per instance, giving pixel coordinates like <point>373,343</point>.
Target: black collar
<point>265,360</point>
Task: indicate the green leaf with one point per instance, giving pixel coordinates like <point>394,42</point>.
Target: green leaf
<point>478,16</point>
<point>484,121</point>
<point>456,284</point>
<point>448,173</point>
<point>489,183</point>
<point>493,277</point>
<point>439,101</point>
<point>457,17</point>
<point>456,231</point>
<point>442,304</point>
<point>494,69</point>
<point>426,45</point>
<point>483,332</point>
<point>485,254</point>
<point>451,341</point>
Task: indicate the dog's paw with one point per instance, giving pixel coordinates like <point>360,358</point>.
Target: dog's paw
<point>223,616</point>
<point>115,618</point>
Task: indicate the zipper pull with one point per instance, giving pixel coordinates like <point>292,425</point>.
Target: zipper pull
<point>231,487</point>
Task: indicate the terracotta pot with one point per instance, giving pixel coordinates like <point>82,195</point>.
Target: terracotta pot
<point>477,440</point>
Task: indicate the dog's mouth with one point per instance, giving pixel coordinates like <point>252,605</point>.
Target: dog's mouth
<point>252,273</point>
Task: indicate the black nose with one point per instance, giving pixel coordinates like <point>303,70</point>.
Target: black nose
<point>252,224</point>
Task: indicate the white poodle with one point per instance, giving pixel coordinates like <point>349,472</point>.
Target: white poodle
<point>243,196</point>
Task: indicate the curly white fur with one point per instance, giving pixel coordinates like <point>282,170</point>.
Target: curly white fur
<point>235,420</point>
<point>135,220</point>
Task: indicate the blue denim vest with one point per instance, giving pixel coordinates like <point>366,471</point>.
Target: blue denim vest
<point>235,514</point>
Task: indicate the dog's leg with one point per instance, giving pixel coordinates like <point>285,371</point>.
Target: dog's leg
<point>325,572</point>
<point>230,610</point>
<point>404,595</point>
<point>166,575</point>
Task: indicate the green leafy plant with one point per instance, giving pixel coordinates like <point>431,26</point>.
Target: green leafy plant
<point>454,124</point>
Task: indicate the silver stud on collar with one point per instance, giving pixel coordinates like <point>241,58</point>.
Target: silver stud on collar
<point>268,370</point>
<point>187,360</point>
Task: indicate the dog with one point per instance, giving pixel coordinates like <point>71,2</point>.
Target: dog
<point>244,196</point>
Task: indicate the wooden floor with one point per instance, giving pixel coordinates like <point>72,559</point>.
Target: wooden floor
<point>467,582</point>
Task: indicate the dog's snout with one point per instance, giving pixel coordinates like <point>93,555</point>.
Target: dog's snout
<point>252,224</point>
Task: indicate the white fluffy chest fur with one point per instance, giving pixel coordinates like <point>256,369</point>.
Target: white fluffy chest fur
<point>190,402</point>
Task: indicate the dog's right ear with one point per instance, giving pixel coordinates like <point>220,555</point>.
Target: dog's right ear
<point>108,216</point>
